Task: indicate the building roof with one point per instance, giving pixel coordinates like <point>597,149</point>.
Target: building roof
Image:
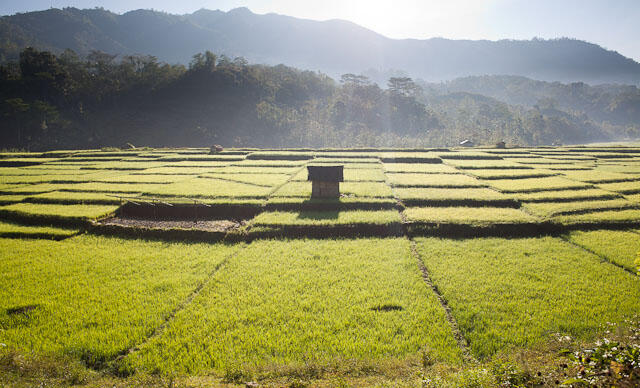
<point>325,173</point>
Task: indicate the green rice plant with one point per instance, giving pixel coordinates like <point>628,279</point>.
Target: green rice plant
<point>351,174</point>
<point>38,160</point>
<point>410,157</point>
<point>508,293</point>
<point>53,178</point>
<point>623,169</point>
<point>433,180</point>
<point>439,194</point>
<point>282,303</point>
<point>619,247</point>
<point>468,155</point>
<point>426,168</point>
<point>367,162</point>
<point>80,197</point>
<point>563,167</point>
<point>57,212</point>
<point>93,298</point>
<point>174,171</point>
<point>191,164</point>
<point>472,164</point>
<point>32,189</point>
<point>280,155</point>
<point>206,188</point>
<point>357,189</point>
<point>315,218</point>
<point>633,197</point>
<point>128,188</point>
<point>510,174</point>
<point>8,199</point>
<point>530,185</point>
<point>370,156</point>
<point>467,215</point>
<point>253,170</point>
<point>31,170</point>
<point>119,165</point>
<point>599,176</point>
<point>565,195</point>
<point>622,187</point>
<point>269,163</point>
<point>143,178</point>
<point>537,161</point>
<point>267,180</point>
<point>600,217</point>
<point>14,230</point>
<point>549,209</point>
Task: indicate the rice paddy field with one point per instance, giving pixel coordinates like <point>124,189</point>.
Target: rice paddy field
<point>436,267</point>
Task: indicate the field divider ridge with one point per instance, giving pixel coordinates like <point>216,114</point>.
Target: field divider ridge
<point>601,257</point>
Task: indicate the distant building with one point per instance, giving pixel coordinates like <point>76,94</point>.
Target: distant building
<point>501,144</point>
<point>325,181</point>
<point>466,143</point>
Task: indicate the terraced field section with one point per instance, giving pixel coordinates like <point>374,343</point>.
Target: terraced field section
<point>178,262</point>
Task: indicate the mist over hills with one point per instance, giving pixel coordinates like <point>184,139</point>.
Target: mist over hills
<point>333,47</point>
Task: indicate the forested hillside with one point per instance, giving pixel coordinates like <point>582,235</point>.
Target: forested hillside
<point>65,101</point>
<point>333,47</point>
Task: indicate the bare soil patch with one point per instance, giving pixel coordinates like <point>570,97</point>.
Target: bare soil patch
<point>207,225</point>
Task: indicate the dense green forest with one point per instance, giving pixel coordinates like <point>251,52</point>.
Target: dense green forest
<point>67,101</point>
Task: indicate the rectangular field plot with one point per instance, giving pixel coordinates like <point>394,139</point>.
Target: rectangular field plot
<point>433,180</point>
<point>358,189</point>
<point>146,178</point>
<point>467,215</point>
<point>254,170</point>
<point>484,164</point>
<point>208,188</point>
<point>530,185</point>
<point>518,292</point>
<point>281,302</point>
<point>548,209</point>
<point>24,231</point>
<point>566,195</point>
<point>622,187</point>
<point>425,168</point>
<point>600,176</point>
<point>510,174</point>
<point>619,247</point>
<point>55,212</point>
<point>71,197</point>
<point>92,298</point>
<point>319,218</point>
<point>600,217</point>
<point>454,197</point>
<point>267,180</point>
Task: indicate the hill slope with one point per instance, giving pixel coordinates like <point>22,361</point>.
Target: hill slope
<point>334,47</point>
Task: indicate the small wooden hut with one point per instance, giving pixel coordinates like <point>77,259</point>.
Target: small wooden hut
<point>325,181</point>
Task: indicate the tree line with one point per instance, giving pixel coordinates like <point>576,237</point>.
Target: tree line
<point>50,101</point>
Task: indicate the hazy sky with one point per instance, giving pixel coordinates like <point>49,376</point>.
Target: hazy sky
<point>614,24</point>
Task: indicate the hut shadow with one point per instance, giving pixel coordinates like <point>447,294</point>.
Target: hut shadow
<point>320,209</point>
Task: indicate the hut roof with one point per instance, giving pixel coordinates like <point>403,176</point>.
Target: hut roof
<point>325,173</point>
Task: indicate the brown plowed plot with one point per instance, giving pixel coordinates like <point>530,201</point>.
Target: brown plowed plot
<point>207,225</point>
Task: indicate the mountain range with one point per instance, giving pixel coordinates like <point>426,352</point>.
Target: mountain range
<point>333,47</point>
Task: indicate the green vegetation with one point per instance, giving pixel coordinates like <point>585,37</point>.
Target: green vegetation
<point>351,174</point>
<point>467,215</point>
<point>268,180</point>
<point>530,185</point>
<point>54,211</point>
<point>622,187</point>
<point>73,197</point>
<point>93,298</point>
<point>25,231</point>
<point>206,188</point>
<point>619,247</point>
<point>348,217</point>
<point>606,216</point>
<point>566,195</point>
<point>429,168</point>
<point>518,292</point>
<point>548,209</point>
<point>284,302</point>
<point>358,189</point>
<point>433,180</point>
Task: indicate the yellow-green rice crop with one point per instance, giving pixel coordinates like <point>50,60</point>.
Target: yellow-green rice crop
<point>518,292</point>
<point>622,187</point>
<point>483,194</point>
<point>77,197</point>
<point>318,301</point>
<point>628,215</point>
<point>427,168</point>
<point>62,212</point>
<point>566,195</point>
<point>344,217</point>
<point>208,188</point>
<point>15,230</point>
<point>548,209</point>
<point>472,164</point>
<point>467,215</point>
<point>499,173</point>
<point>146,178</point>
<point>268,180</point>
<point>433,180</point>
<point>529,185</point>
<point>600,176</point>
<point>619,247</point>
<point>92,297</point>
